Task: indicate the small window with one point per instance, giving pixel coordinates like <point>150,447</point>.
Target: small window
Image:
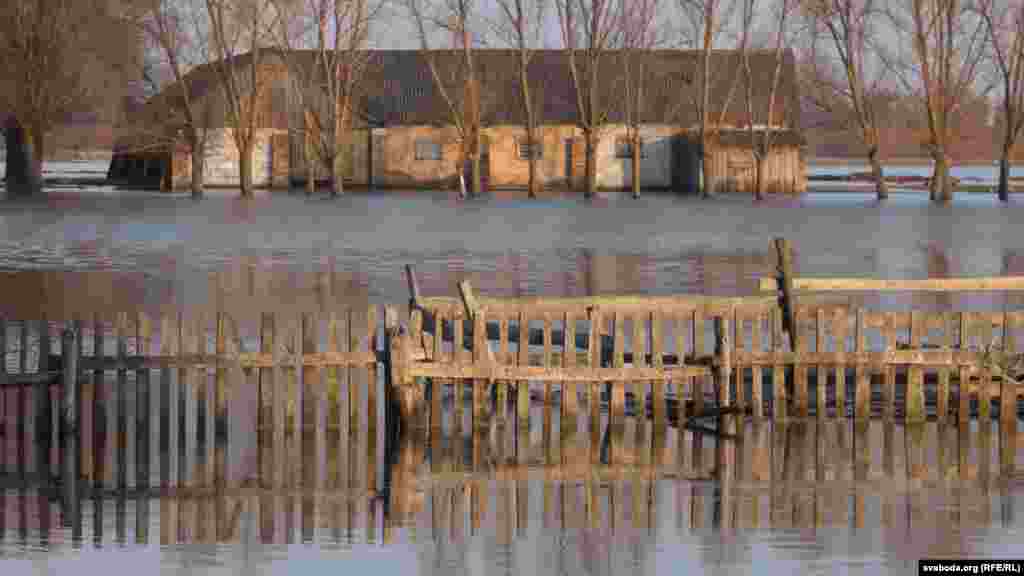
<point>525,148</point>
<point>428,150</point>
<point>624,149</point>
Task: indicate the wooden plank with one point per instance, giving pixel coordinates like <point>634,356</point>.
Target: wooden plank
<point>522,386</point>
<point>627,304</point>
<point>618,390</point>
<point>143,342</point>
<point>914,411</point>
<point>220,405</point>
<point>862,393</point>
<point>983,326</point>
<point>569,395</point>
<point>246,360</point>
<point>268,406</point>
<point>458,344</point>
<point>723,352</point>
<point>503,387</point>
<point>942,399</point>
<point>840,324</point>
<point>1008,389</point>
<point>354,344</point>
<point>800,391</point>
<point>698,383</point>
<point>658,407</point>
<point>997,283</point>
<point>170,338</point>
<point>99,399</point>
<point>784,254</point>
<point>554,374</point>
<point>593,362</point>
<point>639,354</point>
<point>189,344</point>
<point>737,358</point>
<point>546,385</point>
<point>334,373</point>
<point>204,396</point>
<point>371,377</point>
<point>964,412</point>
<point>821,370</point>
<point>889,372</point>
<point>681,322</point>
<point>757,372</point>
<point>780,399</point>
<point>436,386</point>
<point>481,354</point>
<point>311,394</point>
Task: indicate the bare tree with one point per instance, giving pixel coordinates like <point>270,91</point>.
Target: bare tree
<point>590,29</point>
<point>949,42</point>
<point>455,18</point>
<point>520,25</point>
<point>179,34</point>
<point>707,30</point>
<point>326,90</point>
<point>59,57</point>
<point>847,28</point>
<point>237,27</point>
<point>639,35</point>
<point>1004,25</point>
<point>763,138</point>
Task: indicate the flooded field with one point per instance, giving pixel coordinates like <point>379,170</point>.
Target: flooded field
<point>787,497</point>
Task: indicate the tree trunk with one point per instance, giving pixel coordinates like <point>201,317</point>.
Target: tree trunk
<point>531,138</point>
<point>881,189</point>
<point>338,174</point>
<point>24,160</point>
<point>1004,174</point>
<point>245,167</point>
<point>707,188</point>
<point>311,170</point>
<point>591,163</point>
<point>636,167</point>
<point>941,184</point>
<point>197,144</point>
<point>474,173</point>
<point>759,176</point>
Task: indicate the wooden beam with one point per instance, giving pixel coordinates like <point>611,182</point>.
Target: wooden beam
<point>1000,283</point>
<point>554,374</point>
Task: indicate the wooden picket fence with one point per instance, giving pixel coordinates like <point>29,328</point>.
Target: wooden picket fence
<point>298,366</point>
<point>735,345</point>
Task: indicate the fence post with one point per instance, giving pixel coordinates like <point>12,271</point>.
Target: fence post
<point>71,408</point>
<point>724,355</point>
<point>785,256</point>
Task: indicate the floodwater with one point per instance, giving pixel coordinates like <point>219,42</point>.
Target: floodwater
<point>800,497</point>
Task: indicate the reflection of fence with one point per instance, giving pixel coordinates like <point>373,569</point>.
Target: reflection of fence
<point>778,475</point>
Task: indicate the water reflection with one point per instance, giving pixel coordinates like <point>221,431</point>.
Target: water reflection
<point>501,487</point>
<point>147,248</point>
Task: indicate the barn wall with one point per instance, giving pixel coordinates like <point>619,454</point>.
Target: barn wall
<point>734,170</point>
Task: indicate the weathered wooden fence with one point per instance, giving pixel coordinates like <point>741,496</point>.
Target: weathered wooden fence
<point>737,345</point>
<point>305,373</point>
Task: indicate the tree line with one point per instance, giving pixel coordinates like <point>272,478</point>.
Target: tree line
<point>64,56</point>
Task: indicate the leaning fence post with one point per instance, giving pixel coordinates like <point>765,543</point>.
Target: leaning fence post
<point>71,408</point>
<point>724,361</point>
